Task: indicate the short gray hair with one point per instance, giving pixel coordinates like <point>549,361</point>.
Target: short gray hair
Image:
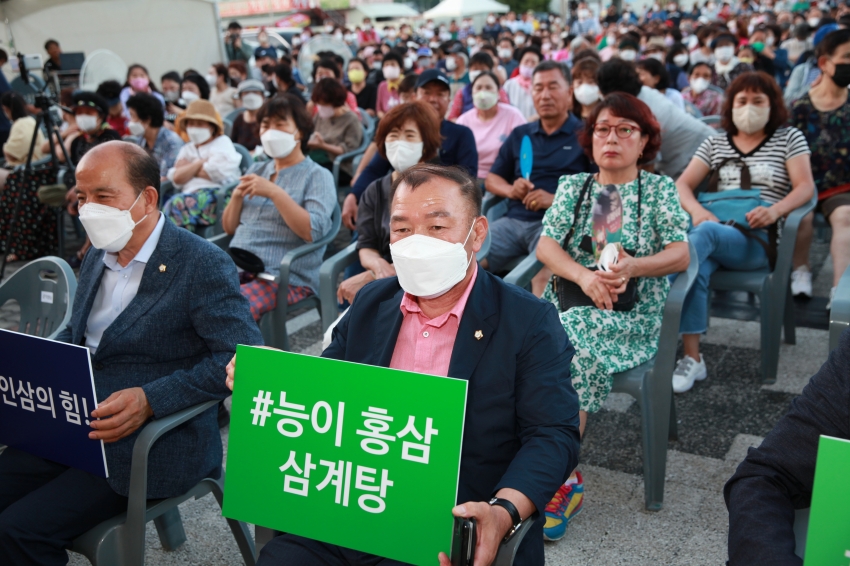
<point>553,65</point>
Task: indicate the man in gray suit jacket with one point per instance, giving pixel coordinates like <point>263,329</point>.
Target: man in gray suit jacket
<point>161,312</point>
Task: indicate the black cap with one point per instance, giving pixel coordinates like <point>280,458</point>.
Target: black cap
<point>92,99</point>
<point>432,75</point>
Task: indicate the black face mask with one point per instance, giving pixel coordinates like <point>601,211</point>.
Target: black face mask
<point>842,75</point>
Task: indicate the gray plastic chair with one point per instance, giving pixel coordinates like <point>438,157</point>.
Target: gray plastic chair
<point>120,541</point>
<point>650,383</point>
<point>368,134</point>
<point>495,207</point>
<point>839,315</point>
<point>713,121</point>
<point>801,531</point>
<point>273,323</point>
<point>772,288</point>
<point>231,116</point>
<point>692,110</point>
<point>228,126</point>
<point>247,160</point>
<point>42,315</point>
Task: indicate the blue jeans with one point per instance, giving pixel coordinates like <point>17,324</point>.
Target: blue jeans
<point>717,245</point>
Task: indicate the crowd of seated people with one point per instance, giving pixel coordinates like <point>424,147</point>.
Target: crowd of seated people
<point>611,111</point>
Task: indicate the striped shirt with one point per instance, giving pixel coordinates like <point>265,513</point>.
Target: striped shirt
<point>768,171</point>
<point>263,232</point>
<point>520,97</point>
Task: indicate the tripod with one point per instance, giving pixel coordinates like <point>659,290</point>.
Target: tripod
<point>43,103</point>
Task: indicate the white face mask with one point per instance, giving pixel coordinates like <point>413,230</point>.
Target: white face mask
<point>136,128</point>
<point>681,59</point>
<point>212,79</point>
<point>587,94</point>
<point>750,118</point>
<point>506,52</point>
<point>657,56</point>
<point>391,72</point>
<point>198,135</point>
<point>485,99</point>
<point>628,55</point>
<point>699,85</point>
<point>403,155</point>
<point>519,40</point>
<point>429,267</point>
<point>278,144</point>
<point>724,54</point>
<point>451,64</point>
<point>189,96</point>
<point>252,101</point>
<point>473,75</point>
<point>813,22</point>
<point>87,122</point>
<point>108,228</point>
<point>324,111</point>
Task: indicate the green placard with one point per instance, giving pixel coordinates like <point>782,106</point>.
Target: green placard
<point>828,539</point>
<point>358,456</point>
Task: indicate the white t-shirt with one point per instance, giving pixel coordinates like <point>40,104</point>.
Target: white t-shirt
<point>222,164</point>
<point>520,98</point>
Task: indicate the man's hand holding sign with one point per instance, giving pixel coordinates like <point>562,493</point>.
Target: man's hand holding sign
<point>505,364</point>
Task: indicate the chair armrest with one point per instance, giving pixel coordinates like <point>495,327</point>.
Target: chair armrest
<point>286,262</point>
<point>785,250</point>
<point>222,241</point>
<point>137,502</point>
<point>839,315</point>
<point>342,157</point>
<point>507,550</point>
<point>668,339</point>
<point>522,274</point>
<point>328,276</point>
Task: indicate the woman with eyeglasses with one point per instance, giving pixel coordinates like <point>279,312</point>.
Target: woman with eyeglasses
<point>639,216</point>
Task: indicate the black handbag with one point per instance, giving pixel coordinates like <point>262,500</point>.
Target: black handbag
<point>570,293</point>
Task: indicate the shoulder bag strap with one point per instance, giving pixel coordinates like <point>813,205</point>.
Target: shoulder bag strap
<point>714,180</point>
<point>579,202</point>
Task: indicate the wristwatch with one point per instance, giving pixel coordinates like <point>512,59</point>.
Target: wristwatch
<point>512,511</point>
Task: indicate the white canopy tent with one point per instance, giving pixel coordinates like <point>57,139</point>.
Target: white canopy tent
<point>455,9</point>
<point>163,35</point>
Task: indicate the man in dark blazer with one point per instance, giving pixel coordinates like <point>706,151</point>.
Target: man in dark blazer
<point>521,438</point>
<point>777,477</point>
<point>162,314</point>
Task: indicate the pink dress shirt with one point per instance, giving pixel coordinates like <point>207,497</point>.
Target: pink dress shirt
<point>425,345</point>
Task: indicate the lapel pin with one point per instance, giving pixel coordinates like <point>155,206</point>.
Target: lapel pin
<point>479,335</point>
<point>162,268</point>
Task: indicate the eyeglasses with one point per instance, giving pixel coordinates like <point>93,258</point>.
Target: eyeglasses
<point>604,130</point>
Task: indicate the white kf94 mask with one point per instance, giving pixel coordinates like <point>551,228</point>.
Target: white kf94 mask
<point>429,267</point>
<point>109,228</point>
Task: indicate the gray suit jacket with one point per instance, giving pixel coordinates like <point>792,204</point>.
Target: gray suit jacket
<point>173,340</point>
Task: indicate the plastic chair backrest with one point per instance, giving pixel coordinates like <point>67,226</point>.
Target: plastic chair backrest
<point>231,116</point>
<point>713,121</point>
<point>228,126</point>
<point>247,160</point>
<point>692,110</point>
<point>839,314</point>
<point>717,89</point>
<point>44,289</point>
<point>368,126</point>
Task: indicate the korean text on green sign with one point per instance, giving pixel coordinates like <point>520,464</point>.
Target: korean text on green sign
<point>358,456</point>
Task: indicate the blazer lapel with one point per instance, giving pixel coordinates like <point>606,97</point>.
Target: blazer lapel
<point>480,319</point>
<point>153,285</point>
<point>388,316</point>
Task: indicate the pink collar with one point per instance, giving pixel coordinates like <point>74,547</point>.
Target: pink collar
<point>409,305</point>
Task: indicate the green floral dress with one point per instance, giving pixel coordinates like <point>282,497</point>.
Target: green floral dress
<point>608,342</point>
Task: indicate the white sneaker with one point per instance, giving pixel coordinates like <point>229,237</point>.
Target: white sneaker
<point>687,371</point>
<point>801,282</point>
<point>831,296</point>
